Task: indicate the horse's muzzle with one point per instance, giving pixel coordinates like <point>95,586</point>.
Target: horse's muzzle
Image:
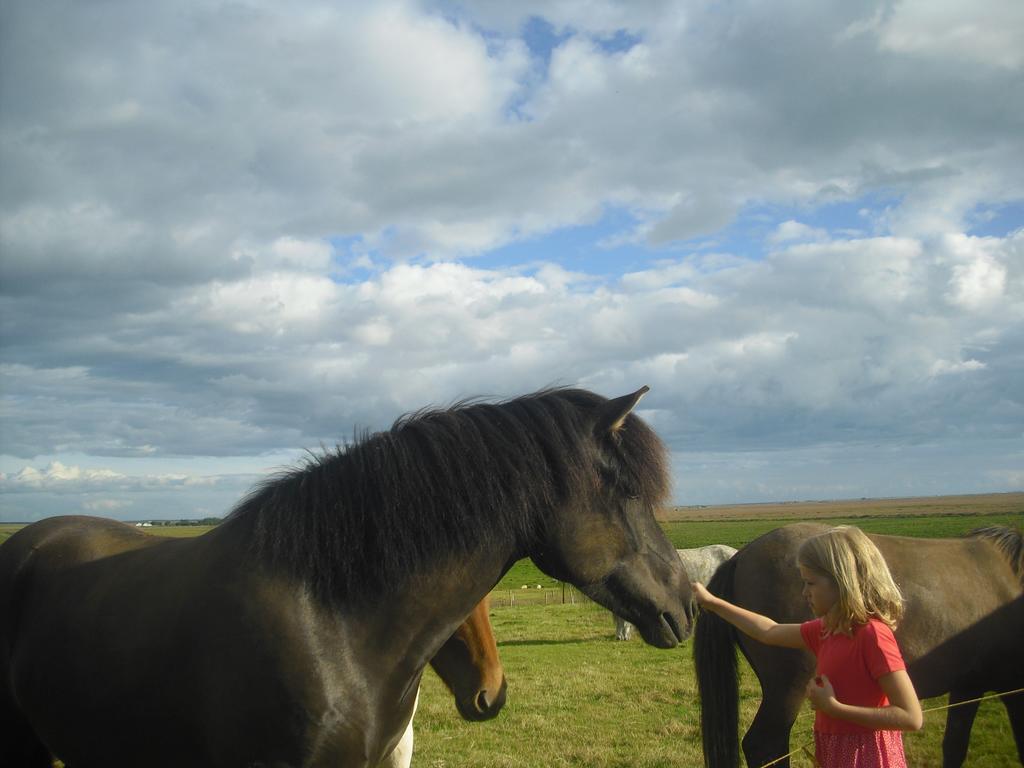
<point>485,705</point>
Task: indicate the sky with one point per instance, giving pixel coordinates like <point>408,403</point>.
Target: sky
<point>235,232</point>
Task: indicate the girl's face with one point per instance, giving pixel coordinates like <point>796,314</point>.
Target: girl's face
<point>820,591</point>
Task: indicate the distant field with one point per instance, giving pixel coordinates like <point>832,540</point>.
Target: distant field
<point>975,504</point>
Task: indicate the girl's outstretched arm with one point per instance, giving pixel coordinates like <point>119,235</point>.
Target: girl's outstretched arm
<point>759,627</point>
<point>902,714</point>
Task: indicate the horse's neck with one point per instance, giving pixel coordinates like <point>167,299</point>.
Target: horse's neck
<point>413,622</point>
<point>406,626</point>
<point>396,636</point>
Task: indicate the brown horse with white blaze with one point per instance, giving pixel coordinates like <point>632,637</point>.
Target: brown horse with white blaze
<point>469,665</point>
<point>295,633</point>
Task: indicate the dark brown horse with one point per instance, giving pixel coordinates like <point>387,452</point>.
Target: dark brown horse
<point>961,634</point>
<point>295,633</point>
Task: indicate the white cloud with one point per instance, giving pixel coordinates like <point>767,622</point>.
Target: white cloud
<point>578,68</point>
<point>1009,478</point>
<point>52,230</point>
<point>106,507</point>
<point>978,279</point>
<point>942,367</point>
<point>790,230</point>
<point>426,68</point>
<point>977,284</point>
<point>307,255</point>
<point>60,478</point>
<point>988,32</point>
<point>272,302</point>
<point>57,474</point>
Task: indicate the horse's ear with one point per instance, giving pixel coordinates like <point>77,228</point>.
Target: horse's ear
<point>614,412</point>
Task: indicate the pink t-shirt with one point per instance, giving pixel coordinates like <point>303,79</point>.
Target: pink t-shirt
<point>853,665</point>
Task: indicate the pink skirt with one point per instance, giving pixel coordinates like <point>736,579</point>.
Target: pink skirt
<point>876,749</point>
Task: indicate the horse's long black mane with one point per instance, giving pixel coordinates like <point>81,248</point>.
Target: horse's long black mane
<point>368,515</point>
<point>1009,542</point>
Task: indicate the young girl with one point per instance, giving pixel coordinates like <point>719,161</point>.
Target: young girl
<point>861,690</point>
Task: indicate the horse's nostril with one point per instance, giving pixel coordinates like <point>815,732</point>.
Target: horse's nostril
<point>673,625</point>
<point>482,702</point>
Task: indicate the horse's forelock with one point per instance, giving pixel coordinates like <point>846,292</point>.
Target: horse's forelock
<point>645,461</point>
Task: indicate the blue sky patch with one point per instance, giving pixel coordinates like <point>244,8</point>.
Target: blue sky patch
<point>542,38</point>
<point>996,220</point>
<point>581,248</point>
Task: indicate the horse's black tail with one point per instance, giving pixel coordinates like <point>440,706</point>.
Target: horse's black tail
<point>714,652</point>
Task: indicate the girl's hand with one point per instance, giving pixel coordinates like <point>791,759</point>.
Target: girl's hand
<point>820,693</point>
<point>761,628</point>
<point>701,594</point>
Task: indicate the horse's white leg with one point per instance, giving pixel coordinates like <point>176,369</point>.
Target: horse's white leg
<point>623,629</point>
<point>401,756</point>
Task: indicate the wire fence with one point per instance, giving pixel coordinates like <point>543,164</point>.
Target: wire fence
<point>538,594</point>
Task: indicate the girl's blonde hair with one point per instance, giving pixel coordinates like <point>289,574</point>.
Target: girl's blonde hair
<point>866,588</point>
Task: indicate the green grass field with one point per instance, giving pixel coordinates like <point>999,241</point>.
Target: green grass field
<point>577,697</point>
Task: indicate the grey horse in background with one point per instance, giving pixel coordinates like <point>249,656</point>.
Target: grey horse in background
<point>700,564</point>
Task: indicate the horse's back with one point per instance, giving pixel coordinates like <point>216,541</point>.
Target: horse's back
<point>766,578</point>
<point>71,540</point>
<point>46,558</point>
<point>932,574</point>
<point>36,551</point>
<point>964,612</point>
<point>90,608</point>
